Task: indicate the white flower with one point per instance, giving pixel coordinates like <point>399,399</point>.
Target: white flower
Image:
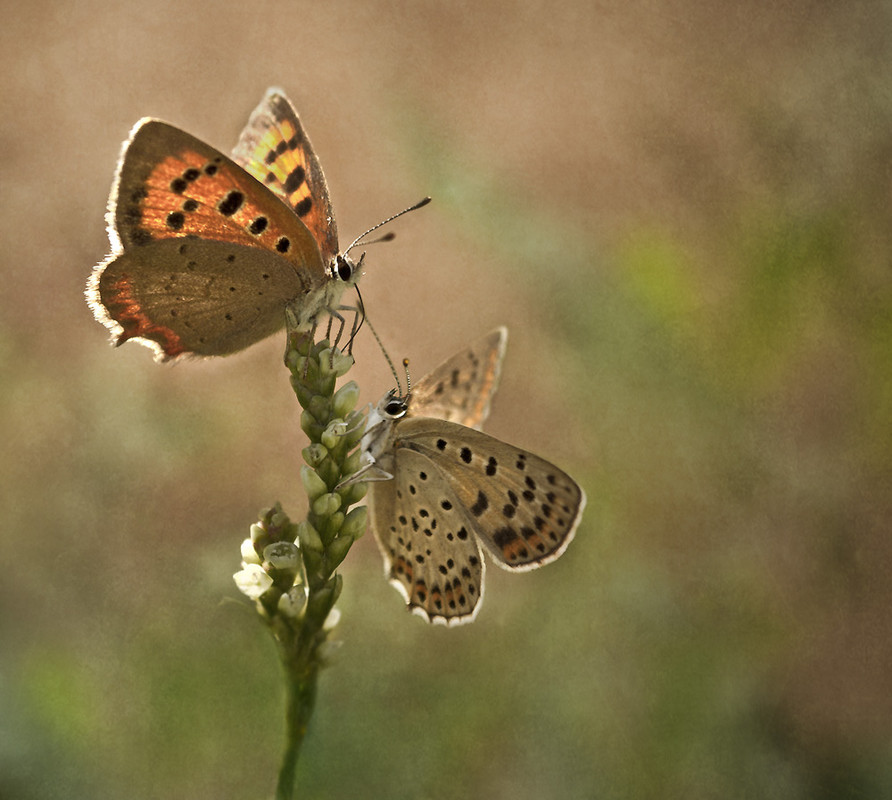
<point>252,581</point>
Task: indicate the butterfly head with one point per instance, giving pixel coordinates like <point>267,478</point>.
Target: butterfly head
<point>393,406</point>
<point>346,270</point>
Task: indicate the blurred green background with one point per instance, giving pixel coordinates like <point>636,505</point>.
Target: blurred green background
<point>680,209</point>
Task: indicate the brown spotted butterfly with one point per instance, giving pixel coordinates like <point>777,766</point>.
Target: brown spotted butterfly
<point>439,488</point>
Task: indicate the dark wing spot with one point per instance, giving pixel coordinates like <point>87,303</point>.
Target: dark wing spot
<point>466,455</point>
<point>175,220</point>
<point>178,185</point>
<point>491,466</point>
<point>283,244</point>
<point>231,203</point>
<point>504,537</point>
<point>480,505</point>
<point>441,444</point>
<point>295,179</point>
<point>258,226</point>
<point>303,207</point>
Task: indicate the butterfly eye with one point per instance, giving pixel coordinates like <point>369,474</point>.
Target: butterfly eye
<point>396,408</point>
<point>344,268</point>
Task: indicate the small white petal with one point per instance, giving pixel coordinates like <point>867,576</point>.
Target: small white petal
<point>252,581</point>
<point>333,618</point>
<point>249,554</point>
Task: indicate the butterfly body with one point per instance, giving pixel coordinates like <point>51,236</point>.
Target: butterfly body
<point>208,252</point>
<point>441,491</point>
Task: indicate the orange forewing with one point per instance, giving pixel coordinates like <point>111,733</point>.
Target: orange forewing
<point>173,185</point>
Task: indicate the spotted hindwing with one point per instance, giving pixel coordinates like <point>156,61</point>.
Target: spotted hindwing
<point>276,150</point>
<point>430,553</point>
<point>461,388</point>
<point>522,508</point>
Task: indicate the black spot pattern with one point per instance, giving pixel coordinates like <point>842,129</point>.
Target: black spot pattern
<point>303,207</point>
<point>258,225</point>
<point>231,203</point>
<point>481,504</point>
<point>295,178</point>
<point>176,220</point>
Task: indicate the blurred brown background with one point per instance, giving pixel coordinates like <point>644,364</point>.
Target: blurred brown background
<point>680,210</point>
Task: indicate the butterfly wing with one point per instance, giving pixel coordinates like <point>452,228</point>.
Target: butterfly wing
<point>460,389</point>
<point>523,508</point>
<point>172,185</point>
<point>193,296</point>
<point>276,150</point>
<point>430,554</point>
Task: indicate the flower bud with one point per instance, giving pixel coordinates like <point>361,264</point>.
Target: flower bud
<point>336,552</point>
<point>345,399</point>
<point>282,556</point>
<point>354,524</point>
<point>314,485</point>
<point>308,537</point>
<point>315,454</point>
<point>325,504</point>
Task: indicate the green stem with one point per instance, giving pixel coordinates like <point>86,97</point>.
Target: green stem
<point>334,429</point>
<point>301,697</point>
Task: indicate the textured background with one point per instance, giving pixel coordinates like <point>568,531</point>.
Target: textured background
<point>681,211</point>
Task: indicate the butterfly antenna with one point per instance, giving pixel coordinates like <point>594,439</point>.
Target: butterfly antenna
<point>358,239</point>
<point>396,376</point>
<point>408,380</point>
<point>387,237</point>
<point>359,319</point>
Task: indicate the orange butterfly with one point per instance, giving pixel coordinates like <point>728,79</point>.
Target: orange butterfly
<point>208,252</point>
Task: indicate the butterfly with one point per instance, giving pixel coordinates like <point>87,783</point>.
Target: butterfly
<point>209,252</point>
<point>439,489</point>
